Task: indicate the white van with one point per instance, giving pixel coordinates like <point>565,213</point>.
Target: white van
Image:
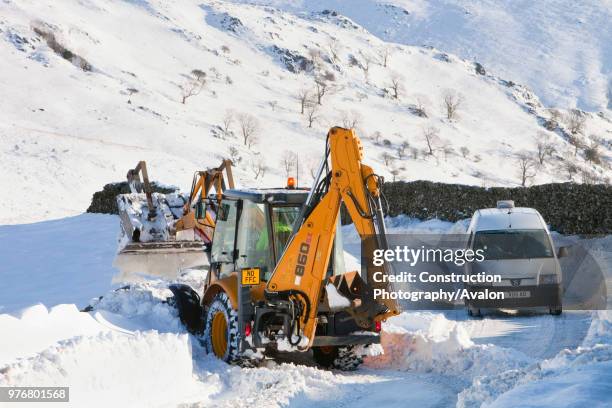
<point>518,248</point>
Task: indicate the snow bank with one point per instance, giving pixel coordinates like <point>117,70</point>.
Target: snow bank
<point>55,262</point>
<point>143,304</point>
<point>585,370</point>
<point>429,342</point>
<point>38,328</point>
<point>145,369</point>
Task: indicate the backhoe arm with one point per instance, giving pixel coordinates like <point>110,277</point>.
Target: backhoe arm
<point>203,182</point>
<point>300,273</point>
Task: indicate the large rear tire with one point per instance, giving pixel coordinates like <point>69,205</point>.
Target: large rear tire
<point>341,358</point>
<point>221,337</point>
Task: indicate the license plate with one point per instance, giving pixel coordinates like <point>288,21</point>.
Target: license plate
<point>250,276</point>
<point>517,294</point>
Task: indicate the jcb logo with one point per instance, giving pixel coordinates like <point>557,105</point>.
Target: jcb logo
<point>303,256</point>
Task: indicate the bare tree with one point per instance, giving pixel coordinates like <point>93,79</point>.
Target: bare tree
<point>376,137</point>
<point>414,152</point>
<point>465,152</point>
<point>288,160</point>
<point>303,96</point>
<point>397,84</point>
<point>526,167</point>
<point>193,85</point>
<point>249,126</point>
<point>448,150</point>
<point>451,102</point>
<point>312,110</point>
<point>258,167</point>
<point>273,105</point>
<point>576,141</point>
<point>589,177</point>
<point>575,122</point>
<point>215,72</point>
<point>421,104</point>
<point>568,165</point>
<point>592,154</point>
<point>234,155</point>
<point>316,58</point>
<point>544,146</point>
<point>367,63</point>
<point>401,149</point>
<point>431,135</point>
<point>130,92</point>
<point>350,120</point>
<point>387,158</point>
<point>571,169</point>
<point>323,86</point>
<point>312,164</point>
<point>334,47</point>
<point>553,121</point>
<point>394,172</point>
<point>384,54</point>
<point>199,74</point>
<point>228,121</point>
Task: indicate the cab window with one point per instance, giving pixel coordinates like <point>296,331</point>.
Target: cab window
<point>223,243</point>
<point>283,219</point>
<point>253,243</point>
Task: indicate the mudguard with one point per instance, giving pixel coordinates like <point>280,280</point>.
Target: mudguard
<point>187,302</point>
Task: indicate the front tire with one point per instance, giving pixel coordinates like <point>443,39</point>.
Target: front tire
<point>473,311</point>
<point>555,311</point>
<point>221,337</point>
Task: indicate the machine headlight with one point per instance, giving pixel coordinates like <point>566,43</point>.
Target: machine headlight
<point>548,279</point>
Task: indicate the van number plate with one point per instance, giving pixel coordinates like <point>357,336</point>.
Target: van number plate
<point>250,276</point>
<point>519,294</point>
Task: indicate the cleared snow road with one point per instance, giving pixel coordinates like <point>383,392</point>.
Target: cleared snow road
<point>535,334</point>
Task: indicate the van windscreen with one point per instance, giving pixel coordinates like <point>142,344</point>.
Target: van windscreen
<point>513,244</point>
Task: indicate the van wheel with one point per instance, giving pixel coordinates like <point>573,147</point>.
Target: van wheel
<point>473,311</point>
<point>555,311</point>
<point>221,333</point>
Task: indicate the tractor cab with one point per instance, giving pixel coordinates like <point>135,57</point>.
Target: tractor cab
<point>253,228</point>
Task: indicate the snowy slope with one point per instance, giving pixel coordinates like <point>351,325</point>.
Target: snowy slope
<point>560,49</point>
<point>75,268</point>
<point>65,132</point>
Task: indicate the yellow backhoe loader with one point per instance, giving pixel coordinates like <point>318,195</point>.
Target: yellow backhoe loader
<point>277,280</point>
<point>165,233</point>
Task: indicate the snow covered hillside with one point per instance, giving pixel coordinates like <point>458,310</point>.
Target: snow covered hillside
<point>89,88</point>
<point>560,49</point>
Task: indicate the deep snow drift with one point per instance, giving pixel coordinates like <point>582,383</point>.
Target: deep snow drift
<point>131,349</point>
<point>61,261</point>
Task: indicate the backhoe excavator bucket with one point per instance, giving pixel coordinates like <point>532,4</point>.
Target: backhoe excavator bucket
<point>161,259</point>
<point>149,244</point>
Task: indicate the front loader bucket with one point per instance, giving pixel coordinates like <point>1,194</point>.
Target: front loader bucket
<point>161,259</point>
